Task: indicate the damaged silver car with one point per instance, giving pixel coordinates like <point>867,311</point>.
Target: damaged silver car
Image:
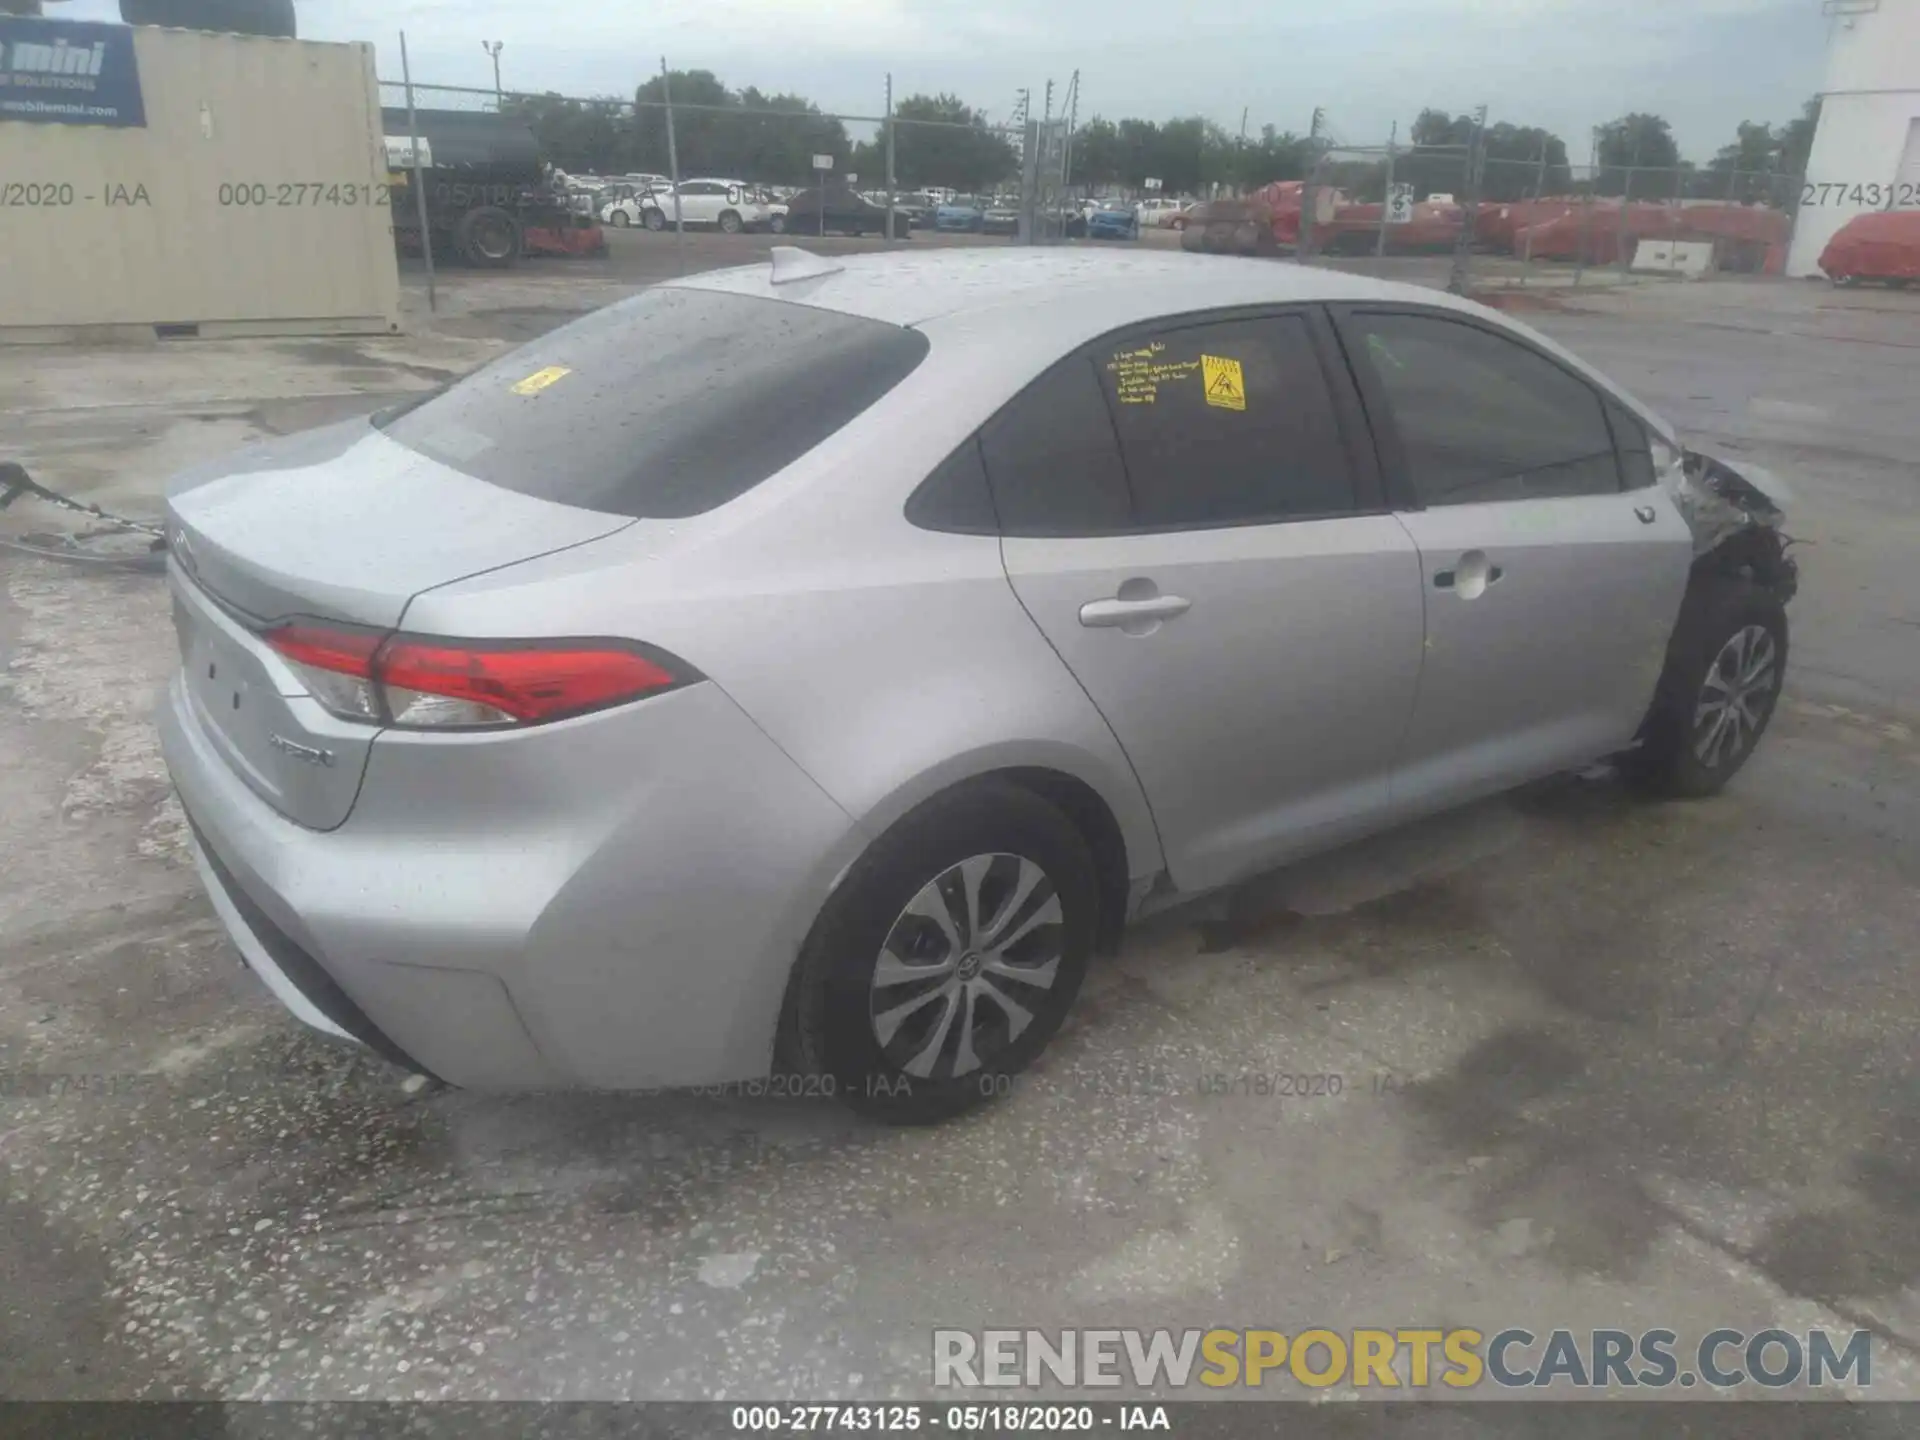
<point>896,630</point>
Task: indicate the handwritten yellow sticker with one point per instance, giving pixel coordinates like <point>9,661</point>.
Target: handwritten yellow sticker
<point>541,379</point>
<point>1226,385</point>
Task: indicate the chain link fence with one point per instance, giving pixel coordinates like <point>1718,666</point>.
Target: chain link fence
<point>1502,218</point>
<point>881,173</point>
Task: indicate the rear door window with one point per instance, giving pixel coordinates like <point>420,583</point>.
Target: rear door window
<point>1053,460</point>
<point>1227,423</point>
<point>664,406</point>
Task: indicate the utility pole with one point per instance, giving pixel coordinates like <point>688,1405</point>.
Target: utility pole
<point>493,48</point>
<point>1310,188</point>
<point>823,204</point>
<point>1386,200</point>
<point>673,168</point>
<point>1470,206</point>
<point>419,179</point>
<point>1073,122</point>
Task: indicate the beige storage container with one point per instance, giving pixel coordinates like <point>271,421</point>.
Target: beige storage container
<point>255,201</point>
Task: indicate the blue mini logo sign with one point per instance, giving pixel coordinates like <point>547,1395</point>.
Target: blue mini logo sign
<point>68,72</point>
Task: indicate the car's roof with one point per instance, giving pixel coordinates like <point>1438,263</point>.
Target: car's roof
<point>1024,308</point>
<point>912,288</point>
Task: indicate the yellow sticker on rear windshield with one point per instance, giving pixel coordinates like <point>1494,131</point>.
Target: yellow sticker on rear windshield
<point>541,379</point>
<point>1226,385</point>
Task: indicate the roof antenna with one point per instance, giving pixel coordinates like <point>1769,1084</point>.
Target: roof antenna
<point>791,263</point>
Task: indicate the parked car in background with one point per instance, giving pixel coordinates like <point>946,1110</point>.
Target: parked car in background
<point>845,213</point>
<point>965,214</point>
<point>825,660</point>
<point>1114,222</point>
<point>1164,212</point>
<point>727,205</point>
<point>1002,217</point>
<point>918,208</point>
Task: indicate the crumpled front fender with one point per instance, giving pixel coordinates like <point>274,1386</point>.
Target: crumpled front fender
<point>1737,516</point>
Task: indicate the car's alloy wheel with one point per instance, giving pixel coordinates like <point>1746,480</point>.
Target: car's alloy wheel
<point>963,965</point>
<point>1726,663</point>
<point>620,220</point>
<point>656,220</point>
<point>778,224</point>
<point>1736,697</point>
<point>948,957</point>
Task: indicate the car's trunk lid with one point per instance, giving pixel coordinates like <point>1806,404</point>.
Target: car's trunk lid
<point>344,523</point>
<point>336,524</point>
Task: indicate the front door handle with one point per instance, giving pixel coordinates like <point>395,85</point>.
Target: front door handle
<point>1645,514</point>
<point>1470,576</point>
<point>1111,614</point>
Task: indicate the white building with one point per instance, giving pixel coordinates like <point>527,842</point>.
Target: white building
<point>1866,154</point>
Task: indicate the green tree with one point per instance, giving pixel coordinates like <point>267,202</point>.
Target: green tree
<point>1632,143</point>
<point>1796,139</point>
<point>1523,162</point>
<point>1097,156</point>
<point>1764,162</point>
<point>940,141</point>
<point>579,136</point>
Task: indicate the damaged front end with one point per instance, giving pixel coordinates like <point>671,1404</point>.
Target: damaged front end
<point>1736,519</point>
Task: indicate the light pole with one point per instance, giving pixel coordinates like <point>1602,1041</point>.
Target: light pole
<point>493,48</point>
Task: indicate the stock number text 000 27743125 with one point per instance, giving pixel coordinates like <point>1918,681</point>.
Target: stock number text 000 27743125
<point>1867,194</point>
<point>258,195</point>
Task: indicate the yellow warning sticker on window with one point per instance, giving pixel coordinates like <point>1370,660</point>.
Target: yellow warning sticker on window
<point>541,379</point>
<point>1226,384</point>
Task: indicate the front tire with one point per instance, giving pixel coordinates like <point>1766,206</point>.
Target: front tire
<point>949,956</point>
<point>621,221</point>
<point>1724,669</point>
<point>656,220</point>
<point>778,224</point>
<point>729,223</point>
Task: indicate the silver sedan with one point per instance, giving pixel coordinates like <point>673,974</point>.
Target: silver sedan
<point>801,671</point>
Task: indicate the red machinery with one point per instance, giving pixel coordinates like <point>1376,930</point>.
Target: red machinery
<point>1882,246</point>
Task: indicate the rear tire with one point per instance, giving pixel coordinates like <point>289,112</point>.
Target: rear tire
<point>729,223</point>
<point>1724,669</point>
<point>620,220</point>
<point>950,1041</point>
<point>778,224</point>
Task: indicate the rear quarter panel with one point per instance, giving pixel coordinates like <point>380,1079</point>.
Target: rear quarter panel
<point>887,661</point>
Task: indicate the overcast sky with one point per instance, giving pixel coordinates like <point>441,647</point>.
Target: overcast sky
<point>1565,64</point>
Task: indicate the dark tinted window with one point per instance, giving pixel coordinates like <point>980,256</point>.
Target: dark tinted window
<point>1636,449</point>
<point>1483,418</point>
<point>665,405</point>
<point>1053,460</point>
<point>1227,423</point>
<point>955,496</point>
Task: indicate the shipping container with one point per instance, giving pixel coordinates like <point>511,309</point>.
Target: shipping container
<point>181,182</point>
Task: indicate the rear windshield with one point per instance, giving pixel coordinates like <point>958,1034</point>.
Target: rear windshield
<point>663,406</point>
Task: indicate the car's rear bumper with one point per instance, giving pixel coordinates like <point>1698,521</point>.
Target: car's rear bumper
<point>614,901</point>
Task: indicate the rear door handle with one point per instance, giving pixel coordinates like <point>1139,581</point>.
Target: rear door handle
<point>1111,614</point>
<point>1645,514</point>
<point>1443,579</point>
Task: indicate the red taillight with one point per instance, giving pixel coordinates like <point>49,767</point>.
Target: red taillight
<point>529,685</point>
<point>427,682</point>
<point>344,652</point>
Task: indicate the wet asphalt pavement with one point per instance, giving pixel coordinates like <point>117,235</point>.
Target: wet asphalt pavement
<point>1572,1059</point>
